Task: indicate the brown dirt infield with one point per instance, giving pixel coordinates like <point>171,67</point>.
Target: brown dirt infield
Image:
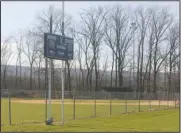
<point>91,102</point>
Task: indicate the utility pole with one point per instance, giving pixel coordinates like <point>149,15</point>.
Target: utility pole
<point>62,74</point>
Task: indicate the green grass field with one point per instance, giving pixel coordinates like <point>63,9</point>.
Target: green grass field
<point>163,121</point>
<point>31,112</point>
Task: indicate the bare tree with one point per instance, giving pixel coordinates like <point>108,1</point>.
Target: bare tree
<point>38,63</point>
<point>161,22</point>
<point>142,19</point>
<point>178,74</point>
<point>6,58</point>
<point>173,39</point>
<point>118,37</point>
<point>103,73</point>
<point>150,57</point>
<point>30,50</point>
<point>84,51</point>
<point>77,83</point>
<point>93,30</point>
<point>19,42</point>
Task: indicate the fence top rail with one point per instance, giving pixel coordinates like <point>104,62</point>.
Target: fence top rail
<point>83,92</point>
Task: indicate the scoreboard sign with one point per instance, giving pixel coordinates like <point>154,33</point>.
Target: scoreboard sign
<point>58,47</point>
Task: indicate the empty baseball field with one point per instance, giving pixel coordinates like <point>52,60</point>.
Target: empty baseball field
<point>90,115</point>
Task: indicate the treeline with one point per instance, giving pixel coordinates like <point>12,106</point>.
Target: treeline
<point>108,42</point>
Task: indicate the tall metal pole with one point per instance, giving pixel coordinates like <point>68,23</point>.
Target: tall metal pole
<point>50,80</point>
<point>46,87</point>
<point>46,79</point>
<point>62,74</point>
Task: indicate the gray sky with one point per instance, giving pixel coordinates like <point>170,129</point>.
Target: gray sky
<point>21,15</point>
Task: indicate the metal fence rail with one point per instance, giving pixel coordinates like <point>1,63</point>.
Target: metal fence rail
<point>29,106</point>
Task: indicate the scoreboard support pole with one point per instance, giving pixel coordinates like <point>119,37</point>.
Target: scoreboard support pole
<point>50,83</point>
<point>53,50</point>
<point>62,74</point>
<point>49,91</point>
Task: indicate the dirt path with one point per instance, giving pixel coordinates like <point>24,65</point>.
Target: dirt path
<point>171,103</point>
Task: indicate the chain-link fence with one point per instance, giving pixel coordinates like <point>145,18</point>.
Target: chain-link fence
<point>25,106</point>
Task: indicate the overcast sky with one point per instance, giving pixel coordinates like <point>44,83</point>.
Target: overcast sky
<point>21,15</point>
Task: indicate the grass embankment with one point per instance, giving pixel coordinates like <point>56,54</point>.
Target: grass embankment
<point>163,120</point>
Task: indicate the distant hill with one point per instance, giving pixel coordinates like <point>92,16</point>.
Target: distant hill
<point>26,72</point>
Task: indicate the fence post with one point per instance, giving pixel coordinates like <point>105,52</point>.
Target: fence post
<point>74,104</point>
<point>126,105</point>
<point>9,99</point>
<point>138,101</point>
<point>45,104</point>
<point>149,101</point>
<point>175,100</point>
<point>94,103</point>
<point>110,103</point>
<point>167,100</point>
<point>159,99</point>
